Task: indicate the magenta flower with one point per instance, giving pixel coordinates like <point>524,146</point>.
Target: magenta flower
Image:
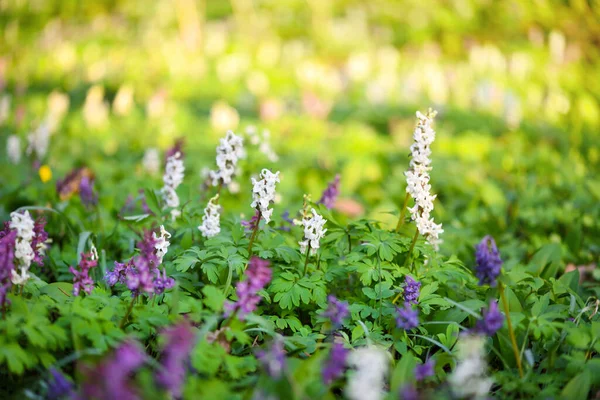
<point>81,277</point>
<point>252,223</point>
<point>38,243</point>
<point>180,340</point>
<point>7,262</point>
<point>258,275</point>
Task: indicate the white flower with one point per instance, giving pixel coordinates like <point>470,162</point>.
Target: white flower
<point>211,221</point>
<point>417,180</point>
<point>313,232</point>
<point>368,380</point>
<point>162,243</point>
<point>174,173</point>
<point>93,252</point>
<point>151,160</point>
<point>24,254</point>
<point>229,151</point>
<point>38,141</point>
<point>13,149</point>
<point>469,379</point>
<point>263,143</point>
<point>263,193</point>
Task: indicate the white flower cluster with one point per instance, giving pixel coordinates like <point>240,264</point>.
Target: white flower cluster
<point>162,243</point>
<point>39,141</point>
<point>229,151</point>
<point>172,179</point>
<point>263,193</point>
<point>469,379</point>
<point>24,254</point>
<point>313,232</point>
<point>368,380</point>
<point>13,149</point>
<point>151,160</point>
<point>417,179</point>
<point>211,221</point>
<point>263,142</point>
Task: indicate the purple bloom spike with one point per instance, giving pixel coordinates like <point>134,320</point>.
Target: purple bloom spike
<point>175,356</point>
<point>331,193</point>
<point>409,392</point>
<point>252,223</point>
<point>258,276</point>
<point>336,311</point>
<point>58,386</point>
<point>334,368</point>
<point>81,277</point>
<point>489,263</point>
<point>407,317</point>
<point>38,243</point>
<point>7,262</point>
<point>492,320</point>
<point>86,192</point>
<point>273,360</point>
<point>425,370</point>
<point>411,290</point>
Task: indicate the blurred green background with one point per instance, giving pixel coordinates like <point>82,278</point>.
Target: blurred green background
<point>337,83</point>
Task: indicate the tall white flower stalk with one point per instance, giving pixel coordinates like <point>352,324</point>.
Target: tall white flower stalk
<point>371,367</point>
<point>39,141</point>
<point>469,379</point>
<point>313,232</point>
<point>229,152</point>
<point>263,193</point>
<point>162,243</point>
<point>211,221</point>
<point>13,149</point>
<point>24,252</point>
<point>174,173</point>
<point>417,179</point>
<point>151,160</point>
<point>262,141</point>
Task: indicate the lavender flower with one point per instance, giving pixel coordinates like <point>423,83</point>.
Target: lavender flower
<point>336,363</point>
<point>425,370</point>
<point>258,276</point>
<point>288,221</point>
<point>175,355</point>
<point>58,386</point>
<point>86,192</point>
<point>112,378</point>
<point>336,311</point>
<point>8,238</point>
<point>252,223</point>
<point>39,243</point>
<point>491,322</point>
<point>407,318</point>
<point>409,392</point>
<point>411,290</point>
<point>81,277</point>
<point>488,261</point>
<point>273,360</point>
<point>331,193</point>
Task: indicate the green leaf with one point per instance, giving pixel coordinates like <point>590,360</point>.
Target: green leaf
<point>213,298</point>
<point>578,387</point>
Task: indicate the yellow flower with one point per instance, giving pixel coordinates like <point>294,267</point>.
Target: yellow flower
<point>45,173</point>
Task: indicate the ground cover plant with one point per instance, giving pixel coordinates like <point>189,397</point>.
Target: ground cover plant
<point>252,200</point>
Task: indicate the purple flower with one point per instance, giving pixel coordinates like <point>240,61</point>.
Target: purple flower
<point>336,311</point>
<point>492,320</point>
<point>425,370</point>
<point>38,243</point>
<point>407,317</point>
<point>409,392</point>
<point>180,340</point>
<point>7,263</point>
<point>81,277</point>
<point>162,282</point>
<point>258,275</point>
<point>86,192</point>
<point>335,365</point>
<point>58,386</point>
<point>289,222</point>
<point>331,193</point>
<point>273,360</point>
<point>111,379</point>
<point>488,261</point>
<point>251,224</point>
<point>411,290</point>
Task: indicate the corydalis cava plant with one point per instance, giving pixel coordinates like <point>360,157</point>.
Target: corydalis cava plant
<point>211,221</point>
<point>174,173</point>
<point>417,179</point>
<point>263,193</point>
<point>229,151</point>
<point>313,232</point>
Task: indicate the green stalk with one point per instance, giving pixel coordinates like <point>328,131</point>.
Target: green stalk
<point>511,332</point>
<point>254,233</point>
<point>122,324</point>
<point>306,260</point>
<point>412,246</point>
<point>402,212</point>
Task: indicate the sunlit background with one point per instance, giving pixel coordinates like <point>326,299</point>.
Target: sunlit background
<point>336,84</point>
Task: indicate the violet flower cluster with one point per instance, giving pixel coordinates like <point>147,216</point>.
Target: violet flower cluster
<point>407,318</point>
<point>336,363</point>
<point>491,321</point>
<point>180,340</point>
<point>425,370</point>
<point>336,311</point>
<point>59,387</point>
<point>331,193</point>
<point>488,261</point>
<point>112,378</point>
<point>86,192</point>
<point>81,277</point>
<point>258,275</point>
<point>7,257</point>
<point>273,359</point>
<point>252,223</point>
<point>412,290</point>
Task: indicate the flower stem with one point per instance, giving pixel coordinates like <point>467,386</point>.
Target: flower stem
<point>412,246</point>
<point>402,212</point>
<point>122,324</point>
<point>510,329</point>
<point>254,233</point>
<point>306,260</point>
